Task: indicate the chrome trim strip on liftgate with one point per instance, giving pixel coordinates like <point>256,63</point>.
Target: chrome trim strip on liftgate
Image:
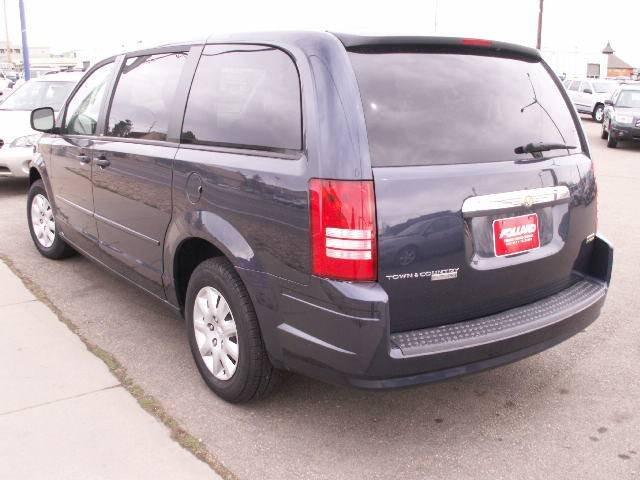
<point>492,203</point>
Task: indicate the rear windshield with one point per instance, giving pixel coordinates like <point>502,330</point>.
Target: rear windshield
<point>449,108</point>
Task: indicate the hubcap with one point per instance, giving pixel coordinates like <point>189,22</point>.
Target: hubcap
<point>216,333</point>
<point>44,226</point>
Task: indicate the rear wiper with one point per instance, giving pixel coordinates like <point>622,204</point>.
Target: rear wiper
<point>537,148</point>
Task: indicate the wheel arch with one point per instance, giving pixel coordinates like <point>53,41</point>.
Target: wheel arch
<point>195,238</point>
<point>38,171</point>
<point>34,175</point>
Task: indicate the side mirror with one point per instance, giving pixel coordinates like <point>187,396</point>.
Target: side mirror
<point>608,101</point>
<point>588,90</point>
<point>43,119</point>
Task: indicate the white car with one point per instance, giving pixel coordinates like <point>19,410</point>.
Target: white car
<point>16,136</point>
<point>588,95</point>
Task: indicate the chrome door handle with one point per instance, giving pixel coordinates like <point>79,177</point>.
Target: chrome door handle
<point>82,158</point>
<point>103,161</point>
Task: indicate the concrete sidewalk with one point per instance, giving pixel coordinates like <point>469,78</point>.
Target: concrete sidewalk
<point>63,415</point>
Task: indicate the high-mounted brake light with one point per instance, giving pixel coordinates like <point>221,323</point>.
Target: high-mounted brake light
<point>343,229</point>
<point>477,42</point>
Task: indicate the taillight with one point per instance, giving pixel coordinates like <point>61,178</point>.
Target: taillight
<point>343,229</point>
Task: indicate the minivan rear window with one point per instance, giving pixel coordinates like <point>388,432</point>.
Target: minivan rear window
<point>451,108</point>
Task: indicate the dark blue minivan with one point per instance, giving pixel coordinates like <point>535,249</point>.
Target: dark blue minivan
<point>373,211</point>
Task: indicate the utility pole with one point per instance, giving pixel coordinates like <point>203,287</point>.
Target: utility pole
<point>25,45</point>
<point>539,42</point>
<point>435,17</point>
<point>6,31</point>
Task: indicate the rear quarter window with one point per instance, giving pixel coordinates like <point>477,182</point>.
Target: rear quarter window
<point>244,97</point>
<point>450,108</point>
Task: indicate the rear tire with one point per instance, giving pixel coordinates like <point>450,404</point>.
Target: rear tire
<point>604,135</point>
<point>598,113</point>
<point>42,224</point>
<point>251,376</point>
<point>611,142</point>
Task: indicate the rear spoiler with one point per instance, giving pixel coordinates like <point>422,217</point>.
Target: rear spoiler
<point>358,43</point>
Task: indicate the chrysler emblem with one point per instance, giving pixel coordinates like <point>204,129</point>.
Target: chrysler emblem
<point>528,201</point>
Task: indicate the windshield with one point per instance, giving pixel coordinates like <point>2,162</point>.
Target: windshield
<point>38,94</point>
<point>604,87</point>
<point>629,99</point>
<point>449,108</point>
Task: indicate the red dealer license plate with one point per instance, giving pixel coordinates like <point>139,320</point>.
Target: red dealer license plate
<point>516,234</point>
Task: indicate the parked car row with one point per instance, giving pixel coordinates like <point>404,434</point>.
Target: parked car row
<point>17,138</point>
<point>292,197</point>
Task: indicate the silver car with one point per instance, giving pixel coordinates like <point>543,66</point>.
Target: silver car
<point>588,95</point>
<point>16,136</point>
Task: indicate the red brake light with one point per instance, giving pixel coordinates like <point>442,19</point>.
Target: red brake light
<point>343,229</point>
<point>476,42</point>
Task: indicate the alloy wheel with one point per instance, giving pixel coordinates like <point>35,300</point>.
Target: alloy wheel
<point>216,333</point>
<point>42,221</point>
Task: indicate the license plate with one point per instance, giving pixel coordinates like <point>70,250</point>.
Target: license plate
<point>516,234</point>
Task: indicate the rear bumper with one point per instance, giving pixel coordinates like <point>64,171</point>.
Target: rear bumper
<point>341,333</point>
<point>488,342</point>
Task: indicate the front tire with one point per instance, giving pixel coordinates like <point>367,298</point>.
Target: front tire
<point>42,224</point>
<point>604,134</point>
<point>598,113</point>
<point>218,310</point>
<point>611,142</point>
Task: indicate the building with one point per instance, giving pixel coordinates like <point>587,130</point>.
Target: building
<point>592,64</point>
<point>41,58</point>
<point>576,62</point>
<point>8,54</point>
<point>616,67</point>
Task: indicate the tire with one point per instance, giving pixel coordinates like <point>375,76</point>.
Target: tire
<point>611,142</point>
<point>252,376</point>
<point>598,113</point>
<point>604,135</point>
<point>42,225</point>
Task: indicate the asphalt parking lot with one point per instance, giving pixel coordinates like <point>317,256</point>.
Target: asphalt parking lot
<point>570,412</point>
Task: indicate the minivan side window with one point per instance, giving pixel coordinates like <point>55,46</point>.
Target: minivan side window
<point>83,109</point>
<point>244,97</point>
<point>141,105</point>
